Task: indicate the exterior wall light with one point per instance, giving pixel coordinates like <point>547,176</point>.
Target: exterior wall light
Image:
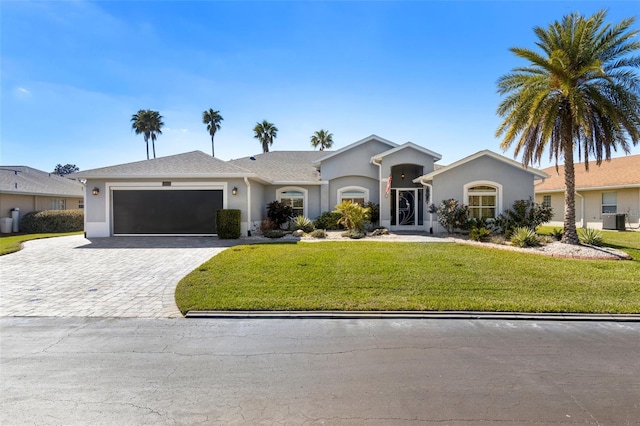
<point>234,191</point>
<point>95,191</point>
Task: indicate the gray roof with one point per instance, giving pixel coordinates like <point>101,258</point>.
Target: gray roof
<point>26,180</point>
<point>189,164</point>
<point>284,166</point>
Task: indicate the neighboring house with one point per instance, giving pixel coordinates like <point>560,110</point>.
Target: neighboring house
<point>612,187</point>
<point>33,190</point>
<point>178,195</point>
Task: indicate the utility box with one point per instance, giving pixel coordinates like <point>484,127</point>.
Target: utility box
<point>5,225</point>
<point>613,221</point>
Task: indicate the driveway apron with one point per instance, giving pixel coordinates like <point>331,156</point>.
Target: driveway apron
<point>104,277</point>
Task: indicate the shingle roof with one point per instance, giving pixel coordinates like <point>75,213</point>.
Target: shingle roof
<point>189,164</point>
<point>619,172</point>
<point>284,166</point>
<point>26,180</point>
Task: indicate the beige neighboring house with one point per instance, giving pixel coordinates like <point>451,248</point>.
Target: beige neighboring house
<point>611,188</point>
<point>34,190</point>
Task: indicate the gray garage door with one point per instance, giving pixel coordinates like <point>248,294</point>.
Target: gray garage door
<point>166,211</point>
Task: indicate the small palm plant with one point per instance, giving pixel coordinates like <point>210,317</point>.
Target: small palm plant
<point>354,216</point>
<point>590,236</point>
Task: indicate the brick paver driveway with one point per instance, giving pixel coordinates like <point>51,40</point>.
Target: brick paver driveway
<point>105,277</point>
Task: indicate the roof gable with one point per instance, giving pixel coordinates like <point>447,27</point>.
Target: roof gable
<point>618,172</point>
<point>357,144</point>
<point>408,145</point>
<point>27,180</point>
<point>190,164</point>
<point>535,172</point>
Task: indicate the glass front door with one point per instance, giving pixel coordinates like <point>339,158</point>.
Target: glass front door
<point>406,208</point>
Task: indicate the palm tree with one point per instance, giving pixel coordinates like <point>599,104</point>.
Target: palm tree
<point>579,92</point>
<point>212,119</point>
<point>149,123</point>
<point>265,132</point>
<point>322,139</point>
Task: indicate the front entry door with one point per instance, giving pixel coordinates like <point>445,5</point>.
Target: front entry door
<point>405,208</point>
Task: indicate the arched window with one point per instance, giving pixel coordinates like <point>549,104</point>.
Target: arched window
<point>483,199</point>
<point>294,197</point>
<point>355,194</point>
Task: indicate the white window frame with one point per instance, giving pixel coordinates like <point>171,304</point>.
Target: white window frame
<point>305,197</point>
<point>362,189</point>
<point>57,204</point>
<point>603,204</point>
<point>498,194</point>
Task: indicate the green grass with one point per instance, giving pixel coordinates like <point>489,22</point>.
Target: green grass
<point>13,243</point>
<point>407,276</point>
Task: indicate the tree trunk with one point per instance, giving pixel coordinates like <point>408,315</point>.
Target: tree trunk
<point>153,144</point>
<point>213,152</point>
<point>570,234</point>
<point>147,142</point>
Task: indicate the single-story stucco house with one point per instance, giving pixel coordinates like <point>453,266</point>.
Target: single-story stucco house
<point>29,189</point>
<point>179,194</point>
<point>612,187</point>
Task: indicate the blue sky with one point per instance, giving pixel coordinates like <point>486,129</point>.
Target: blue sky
<point>73,73</point>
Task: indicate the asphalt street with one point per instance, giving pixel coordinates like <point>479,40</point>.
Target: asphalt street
<point>132,371</point>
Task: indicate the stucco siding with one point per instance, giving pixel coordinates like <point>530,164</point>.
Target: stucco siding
<point>406,156</point>
<point>516,184</point>
<point>370,184</point>
<point>628,202</point>
<point>29,203</point>
<point>354,162</point>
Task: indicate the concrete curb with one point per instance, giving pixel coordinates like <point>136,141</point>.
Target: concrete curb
<point>464,315</point>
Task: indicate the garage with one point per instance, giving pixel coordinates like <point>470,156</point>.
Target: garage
<point>166,211</point>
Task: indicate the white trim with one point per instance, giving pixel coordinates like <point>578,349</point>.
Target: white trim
<point>588,188</point>
<point>465,193</point>
<point>157,186</point>
<point>355,144</point>
<point>344,189</point>
<point>537,173</point>
<point>305,196</point>
<point>406,145</point>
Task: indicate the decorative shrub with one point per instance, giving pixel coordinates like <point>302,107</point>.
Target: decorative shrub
<point>267,225</point>
<point>228,222</point>
<point>479,234</point>
<point>279,213</point>
<point>274,233</point>
<point>523,214</point>
<point>47,221</point>
<point>590,236</point>
<point>354,234</point>
<point>524,237</point>
<point>557,233</point>
<point>319,233</point>
<point>303,223</point>
<point>452,215</point>
<point>374,211</point>
<point>329,221</point>
<point>353,215</point>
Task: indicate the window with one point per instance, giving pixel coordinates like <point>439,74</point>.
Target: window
<point>295,199</point>
<point>546,201</point>
<point>81,204</point>
<point>482,201</point>
<point>609,202</point>
<point>57,204</point>
<point>357,197</point>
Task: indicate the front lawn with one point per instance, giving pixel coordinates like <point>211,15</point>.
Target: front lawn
<point>12,243</point>
<point>406,276</point>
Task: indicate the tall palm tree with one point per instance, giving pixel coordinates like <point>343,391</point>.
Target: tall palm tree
<point>212,119</point>
<point>265,132</point>
<point>322,139</point>
<point>148,123</point>
<point>580,92</point>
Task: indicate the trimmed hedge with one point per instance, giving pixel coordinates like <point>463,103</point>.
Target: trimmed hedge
<point>47,221</point>
<point>228,224</point>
